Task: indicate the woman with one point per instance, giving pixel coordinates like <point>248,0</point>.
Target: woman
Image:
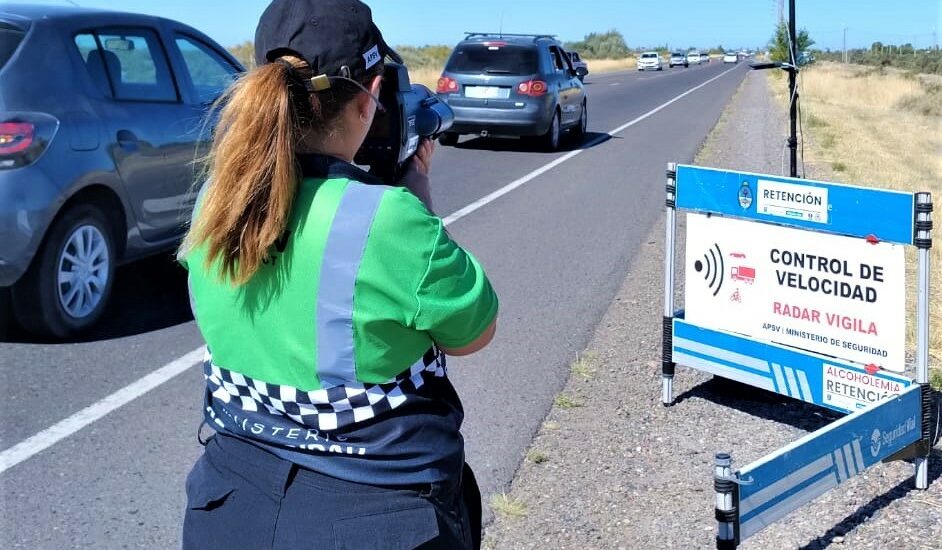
<point>328,302</point>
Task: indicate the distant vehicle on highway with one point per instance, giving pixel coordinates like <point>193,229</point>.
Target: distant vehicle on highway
<point>100,117</point>
<point>650,61</point>
<point>513,85</point>
<point>676,59</point>
<point>693,57</point>
<point>805,57</point>
<point>704,57</point>
<point>730,57</point>
<point>581,67</point>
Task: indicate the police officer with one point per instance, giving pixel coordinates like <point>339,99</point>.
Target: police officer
<point>328,302</point>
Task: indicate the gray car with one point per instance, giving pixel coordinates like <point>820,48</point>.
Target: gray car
<point>101,115</point>
<point>513,86</point>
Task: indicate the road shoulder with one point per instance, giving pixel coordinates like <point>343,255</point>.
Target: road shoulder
<point>611,467</point>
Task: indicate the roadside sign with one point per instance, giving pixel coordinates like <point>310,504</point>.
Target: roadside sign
<point>806,376</point>
<point>798,287</point>
<point>835,295</point>
<point>851,210</point>
<point>779,483</point>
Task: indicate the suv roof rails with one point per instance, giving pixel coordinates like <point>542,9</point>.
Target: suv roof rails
<point>503,34</point>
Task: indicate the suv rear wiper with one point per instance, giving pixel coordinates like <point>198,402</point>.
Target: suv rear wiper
<point>497,71</point>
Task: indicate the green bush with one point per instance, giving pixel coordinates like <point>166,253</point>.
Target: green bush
<point>434,56</point>
<point>928,61</point>
<point>606,45</point>
<point>778,45</point>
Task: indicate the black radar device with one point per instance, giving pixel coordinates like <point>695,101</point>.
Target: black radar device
<point>412,112</point>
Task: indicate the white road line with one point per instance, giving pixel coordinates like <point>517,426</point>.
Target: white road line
<point>615,84</point>
<point>63,429</point>
<point>484,201</point>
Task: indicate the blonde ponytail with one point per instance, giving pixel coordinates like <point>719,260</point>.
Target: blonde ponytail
<point>263,118</point>
<point>254,174</point>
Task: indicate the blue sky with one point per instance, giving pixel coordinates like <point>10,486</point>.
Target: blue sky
<point>700,23</point>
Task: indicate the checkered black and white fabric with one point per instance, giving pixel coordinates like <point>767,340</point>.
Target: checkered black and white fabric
<point>324,409</point>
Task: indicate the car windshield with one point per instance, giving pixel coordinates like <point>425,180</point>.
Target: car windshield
<point>478,58</point>
<point>648,55</point>
<point>10,38</point>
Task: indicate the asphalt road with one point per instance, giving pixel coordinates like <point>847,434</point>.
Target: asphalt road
<point>556,248</point>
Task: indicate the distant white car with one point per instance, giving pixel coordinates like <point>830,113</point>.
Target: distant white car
<point>693,58</point>
<point>730,57</point>
<point>650,60</point>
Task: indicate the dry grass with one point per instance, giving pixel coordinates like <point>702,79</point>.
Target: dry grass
<point>425,75</point>
<point>584,366</point>
<point>868,126</point>
<point>566,401</point>
<point>508,507</point>
<point>429,75</point>
<point>599,66</point>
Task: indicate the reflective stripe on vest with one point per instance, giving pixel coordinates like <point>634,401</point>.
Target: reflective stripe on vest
<point>346,240</point>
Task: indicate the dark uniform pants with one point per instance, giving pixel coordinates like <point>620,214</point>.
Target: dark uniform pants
<point>240,496</point>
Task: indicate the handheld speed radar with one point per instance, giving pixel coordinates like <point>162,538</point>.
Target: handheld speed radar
<point>412,112</point>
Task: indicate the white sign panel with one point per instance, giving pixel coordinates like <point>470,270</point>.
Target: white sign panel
<point>839,296</point>
<point>792,201</point>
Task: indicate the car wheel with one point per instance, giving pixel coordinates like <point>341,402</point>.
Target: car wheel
<point>551,138</point>
<point>449,138</point>
<point>68,285</point>
<point>579,131</point>
<point>581,78</point>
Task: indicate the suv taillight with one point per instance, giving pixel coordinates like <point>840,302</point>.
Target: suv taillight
<point>447,85</point>
<point>532,88</point>
<point>24,137</point>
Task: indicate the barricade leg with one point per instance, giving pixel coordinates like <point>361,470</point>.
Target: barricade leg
<point>923,243</point>
<point>726,506</point>
<point>667,361</point>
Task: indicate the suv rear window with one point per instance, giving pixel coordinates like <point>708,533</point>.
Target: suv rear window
<point>478,58</point>
<point>10,38</point>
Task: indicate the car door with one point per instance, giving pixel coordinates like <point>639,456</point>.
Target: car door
<point>141,110</point>
<point>203,73</point>
<point>568,86</point>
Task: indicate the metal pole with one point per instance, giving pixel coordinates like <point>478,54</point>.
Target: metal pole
<point>793,93</point>
<point>844,47</point>
<point>725,507</point>
<point>923,243</point>
<point>667,362</point>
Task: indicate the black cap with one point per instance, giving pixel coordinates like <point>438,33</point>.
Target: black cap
<point>328,34</point>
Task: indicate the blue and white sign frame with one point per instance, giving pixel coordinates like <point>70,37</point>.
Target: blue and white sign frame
<point>888,412</point>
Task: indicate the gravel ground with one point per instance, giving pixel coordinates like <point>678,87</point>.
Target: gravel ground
<point>611,468</point>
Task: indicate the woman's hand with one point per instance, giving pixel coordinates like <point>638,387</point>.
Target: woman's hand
<point>416,177</point>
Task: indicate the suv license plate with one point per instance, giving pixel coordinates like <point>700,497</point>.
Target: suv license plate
<point>486,92</point>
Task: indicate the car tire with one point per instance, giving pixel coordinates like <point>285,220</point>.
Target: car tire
<point>449,139</point>
<point>6,313</point>
<point>580,130</point>
<point>80,243</point>
<point>660,68</point>
<point>581,78</point>
<point>551,139</point>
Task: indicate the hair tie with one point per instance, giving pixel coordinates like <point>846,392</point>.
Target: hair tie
<point>287,65</point>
